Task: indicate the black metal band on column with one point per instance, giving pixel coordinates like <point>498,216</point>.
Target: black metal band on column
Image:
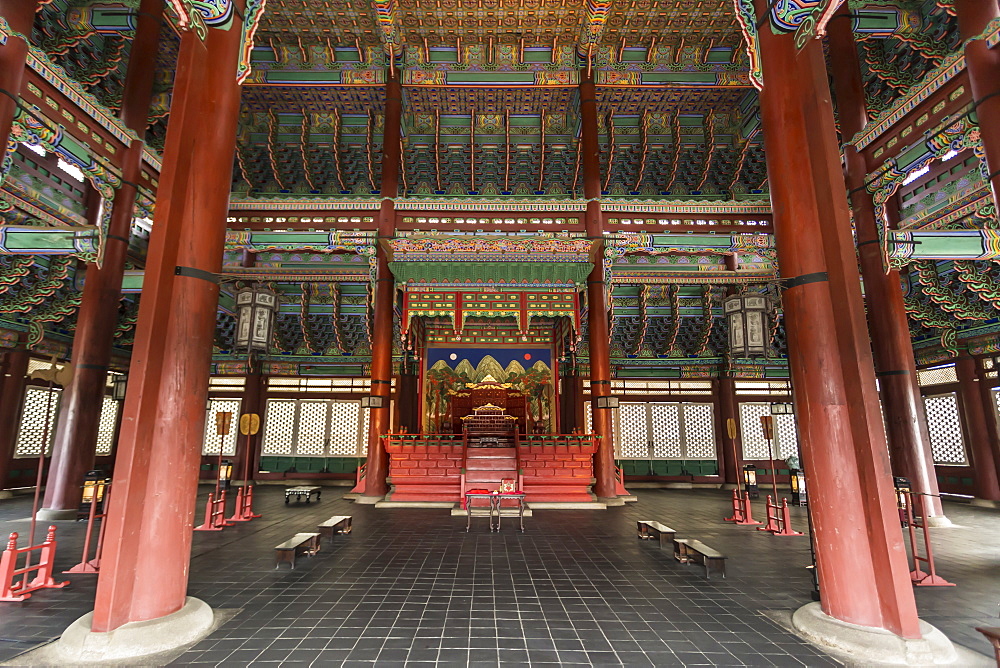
<point>200,274</point>
<point>894,372</point>
<point>804,279</point>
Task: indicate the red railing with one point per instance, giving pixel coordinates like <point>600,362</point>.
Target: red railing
<point>243,512</point>
<point>86,564</point>
<point>19,591</point>
<point>742,510</point>
<point>915,518</point>
<point>215,514</point>
<point>779,521</point>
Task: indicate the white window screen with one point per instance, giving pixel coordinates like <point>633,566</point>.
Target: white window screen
<point>945,427</point>
<point>106,427</point>
<point>588,416</point>
<point>996,404</point>
<point>786,442</point>
<point>673,430</point>
<point>665,431</point>
<point>699,431</point>
<point>315,428</point>
<point>937,376</point>
<point>279,427</point>
<point>34,432</point>
<point>212,442</point>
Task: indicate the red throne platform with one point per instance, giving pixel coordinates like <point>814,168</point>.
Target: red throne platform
<point>442,467</point>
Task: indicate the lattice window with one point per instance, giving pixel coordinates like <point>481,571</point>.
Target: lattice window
<point>279,427</point>
<point>937,376</point>
<point>312,438</point>
<point>212,442</point>
<point>945,426</point>
<point>996,405</point>
<point>35,432</point>
<point>345,428</point>
<point>674,430</point>
<point>315,428</point>
<point>754,443</point>
<point>106,426</point>
<point>786,438</point>
<point>588,415</point>
<point>699,431</point>
<point>665,430</point>
<point>633,432</point>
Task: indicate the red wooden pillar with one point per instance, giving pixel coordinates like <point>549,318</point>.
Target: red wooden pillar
<point>80,408</point>
<point>144,569</point>
<point>20,16</point>
<point>12,384</point>
<point>253,402</point>
<point>862,566</point>
<point>599,333</point>
<point>977,433</point>
<point>983,65</point>
<point>385,294</point>
<point>731,461</point>
<point>909,440</point>
<point>990,411</point>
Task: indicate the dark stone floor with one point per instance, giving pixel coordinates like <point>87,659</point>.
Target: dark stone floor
<point>576,588</point>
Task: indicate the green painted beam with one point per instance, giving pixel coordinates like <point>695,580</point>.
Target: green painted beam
<point>80,241</point>
<point>943,245</point>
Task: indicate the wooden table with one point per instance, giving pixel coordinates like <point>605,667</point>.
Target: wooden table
<point>302,490</point>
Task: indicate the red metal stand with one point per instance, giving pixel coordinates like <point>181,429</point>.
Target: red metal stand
<point>914,521</point>
<point>772,517</point>
<point>747,513</point>
<point>93,565</point>
<point>243,512</point>
<point>737,509</point>
<point>19,591</point>
<point>215,511</point>
<point>779,520</point>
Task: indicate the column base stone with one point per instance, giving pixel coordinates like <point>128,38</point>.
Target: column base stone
<point>134,640</point>
<point>368,500</point>
<point>984,503</point>
<point>612,500</point>
<point>869,646</point>
<point>939,522</point>
<point>55,514</point>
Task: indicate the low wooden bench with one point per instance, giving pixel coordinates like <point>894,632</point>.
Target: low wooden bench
<point>651,529</point>
<point>300,543</point>
<point>687,550</point>
<point>334,525</point>
<point>299,492</point>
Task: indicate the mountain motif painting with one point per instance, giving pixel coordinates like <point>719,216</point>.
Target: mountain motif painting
<point>524,370</point>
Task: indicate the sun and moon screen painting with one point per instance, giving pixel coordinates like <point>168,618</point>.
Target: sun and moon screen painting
<point>458,380</point>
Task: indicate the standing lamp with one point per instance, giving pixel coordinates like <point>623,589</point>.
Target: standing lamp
<point>94,484</point>
<point>119,385</point>
<point>372,401</point>
<point>225,473</point>
<point>797,479</point>
<point>606,402</point>
<point>750,480</point>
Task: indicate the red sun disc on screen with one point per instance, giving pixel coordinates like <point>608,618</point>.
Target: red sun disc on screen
<point>527,356</point>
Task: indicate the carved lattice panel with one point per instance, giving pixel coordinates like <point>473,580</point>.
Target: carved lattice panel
<point>588,416</point>
<point>633,432</point>
<point>344,428</point>
<point>279,427</point>
<point>665,431</point>
<point>363,437</point>
<point>996,405</point>
<point>786,438</point>
<point>754,443</point>
<point>211,443</point>
<point>699,431</point>
<point>106,426</point>
<point>312,428</point>
<point>35,432</point>
<point>945,427</point>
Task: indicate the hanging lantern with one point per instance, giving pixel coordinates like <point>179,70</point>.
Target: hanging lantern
<point>256,309</point>
<point>748,330</point>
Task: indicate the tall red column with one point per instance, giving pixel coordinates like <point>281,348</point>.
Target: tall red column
<point>20,16</point>
<point>909,440</point>
<point>253,402</point>
<point>862,566</point>
<point>983,65</point>
<point>731,461</point>
<point>385,293</point>
<point>599,333</point>
<point>144,569</point>
<point>80,409</point>
<point>990,411</point>
<point>15,368</point>
<point>977,433</point>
